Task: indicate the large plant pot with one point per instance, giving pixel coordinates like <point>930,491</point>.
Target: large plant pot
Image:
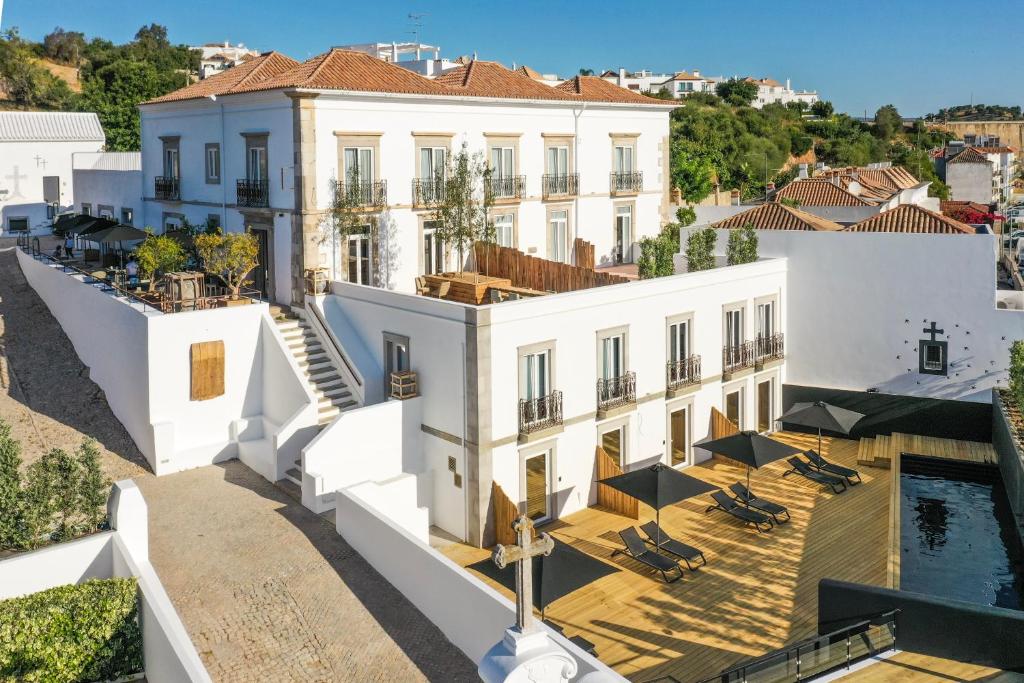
<point>240,301</point>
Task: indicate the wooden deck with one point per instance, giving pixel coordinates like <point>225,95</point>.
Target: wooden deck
<point>880,451</point>
<point>907,667</point>
<point>758,592</point>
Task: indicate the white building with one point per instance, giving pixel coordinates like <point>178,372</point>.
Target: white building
<point>109,184</point>
<point>770,91</point>
<point>216,57</point>
<point>36,150</point>
<point>982,174</point>
<point>426,60</point>
<point>261,147</point>
<point>679,85</point>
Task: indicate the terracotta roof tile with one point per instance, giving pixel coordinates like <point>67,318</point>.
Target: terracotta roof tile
<point>490,79</point>
<point>775,216</point>
<point>912,218</point>
<point>530,73</point>
<point>947,205</point>
<point>594,89</point>
<point>813,192</point>
<point>968,156</point>
<point>996,150</point>
<point>261,68</point>
<point>686,76</point>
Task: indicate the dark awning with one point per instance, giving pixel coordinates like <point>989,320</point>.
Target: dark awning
<point>749,448</point>
<point>821,415</point>
<point>659,485</point>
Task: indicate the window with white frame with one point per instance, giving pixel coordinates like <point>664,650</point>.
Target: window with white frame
<point>766,319</point>
<point>171,165</point>
<point>613,355</point>
<point>734,328</point>
<point>86,209</point>
<point>432,163</point>
<point>502,162</point>
<point>624,234</point>
<point>360,261</point>
<point>623,162</point>
<point>256,165</point>
<point>558,161</point>
<point>504,230</point>
<point>558,236</point>
<point>433,250</point>
<point>213,163</point>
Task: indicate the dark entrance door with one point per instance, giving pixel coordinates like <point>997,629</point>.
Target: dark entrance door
<point>261,274</point>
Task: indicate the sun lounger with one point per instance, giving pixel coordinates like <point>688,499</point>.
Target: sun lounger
<point>746,497</point>
<point>837,484</point>
<point>823,465</point>
<point>636,549</point>
<point>726,504</point>
<point>687,553</point>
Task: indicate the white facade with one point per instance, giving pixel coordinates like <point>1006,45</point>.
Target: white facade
<point>679,85</point>
<point>109,184</point>
<point>426,60</point>
<point>36,150</point>
<point>770,91</point>
<point>216,57</point>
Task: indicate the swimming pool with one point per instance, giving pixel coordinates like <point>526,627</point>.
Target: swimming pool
<point>957,535</point>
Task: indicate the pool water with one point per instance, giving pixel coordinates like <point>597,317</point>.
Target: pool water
<point>957,534</point>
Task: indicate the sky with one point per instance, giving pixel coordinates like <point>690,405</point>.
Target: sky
<point>860,54</point>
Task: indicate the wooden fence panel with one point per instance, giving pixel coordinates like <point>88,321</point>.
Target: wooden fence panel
<point>505,513</point>
<point>531,272</point>
<point>609,498</point>
<point>584,253</point>
<point>721,426</point>
<point>207,370</point>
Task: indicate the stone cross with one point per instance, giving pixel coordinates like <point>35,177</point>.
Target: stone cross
<point>523,553</point>
<point>932,331</point>
<point>17,178</point>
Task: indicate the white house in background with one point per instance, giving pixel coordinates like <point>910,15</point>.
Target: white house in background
<point>982,174</point>
<point>216,57</point>
<point>36,150</point>
<point>680,84</point>
<point>262,146</point>
<point>770,91</point>
<point>109,184</point>
<point>426,60</point>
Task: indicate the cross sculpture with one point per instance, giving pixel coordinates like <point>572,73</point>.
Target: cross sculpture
<point>523,552</point>
<point>17,178</point>
<point>40,161</point>
<point>933,331</point>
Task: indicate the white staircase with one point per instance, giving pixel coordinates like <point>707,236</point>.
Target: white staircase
<point>333,395</point>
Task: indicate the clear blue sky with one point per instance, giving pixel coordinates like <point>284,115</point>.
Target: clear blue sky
<point>860,54</point>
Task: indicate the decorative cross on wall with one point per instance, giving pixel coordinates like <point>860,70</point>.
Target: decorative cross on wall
<point>933,331</point>
<point>523,553</point>
<point>17,178</point>
<point>40,161</point>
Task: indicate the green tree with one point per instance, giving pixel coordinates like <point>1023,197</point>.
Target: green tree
<point>742,246</point>
<point>462,215</point>
<point>114,92</point>
<point>657,253</point>
<point>888,122</point>
<point>12,524</point>
<point>586,72</point>
<point>27,84</point>
<point>159,254</point>
<point>58,473</point>
<point>737,92</point>
<point>1017,373</point>
<point>700,249</point>
<point>661,94</point>
<point>94,487</point>
<point>63,46</point>
<point>692,169</point>
<point>822,109</point>
<point>230,256</point>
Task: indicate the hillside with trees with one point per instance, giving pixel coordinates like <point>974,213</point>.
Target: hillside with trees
<point>977,112</point>
<point>67,72</point>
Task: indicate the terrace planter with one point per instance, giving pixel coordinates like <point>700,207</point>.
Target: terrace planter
<point>230,303</point>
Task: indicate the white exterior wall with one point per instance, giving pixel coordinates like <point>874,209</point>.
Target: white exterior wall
<point>109,182</point>
<point>970,182</point>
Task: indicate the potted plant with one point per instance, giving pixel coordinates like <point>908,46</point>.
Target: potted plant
<point>159,254</point>
<point>231,257</point>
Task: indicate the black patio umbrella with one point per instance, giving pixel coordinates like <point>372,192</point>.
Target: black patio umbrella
<point>69,224</point>
<point>93,225</point>
<point>119,233</point>
<point>658,486</point>
<point>556,575</point>
<point>750,448</point>
<point>823,416</point>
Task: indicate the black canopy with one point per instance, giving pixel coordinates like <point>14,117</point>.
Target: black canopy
<point>822,415</point>
<point>556,575</point>
<point>66,224</point>
<point>93,225</point>
<point>750,448</point>
<point>118,233</point>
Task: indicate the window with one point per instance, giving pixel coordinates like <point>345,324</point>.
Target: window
<point>765,396</point>
<point>359,258</point>
<point>127,215</point>
<point>678,431</point>
<point>766,319</point>
<point>733,407</point>
<point>679,341</point>
<point>613,356</point>
<point>86,209</point>
<point>558,236</point>
<point>396,357</point>
<point>558,161</point>
<point>171,165</point>
<point>933,358</point>
<point>537,474</point>
<point>52,210</point>
<point>213,220</point>
<point>256,163</point>
<point>623,234</point>
<point>734,328</point>
<point>17,224</point>
<point>502,162</point>
<point>433,250</point>
<point>535,374</point>
<point>504,230</point>
<point>212,163</point>
<point>105,211</point>
<point>359,172</point>
<point>432,162</point>
<point>623,162</point>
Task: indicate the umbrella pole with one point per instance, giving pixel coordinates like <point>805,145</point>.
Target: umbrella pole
<point>819,440</point>
<point>747,499</point>
<point>657,534</point>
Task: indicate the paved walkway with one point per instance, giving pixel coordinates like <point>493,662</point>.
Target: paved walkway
<point>267,590</point>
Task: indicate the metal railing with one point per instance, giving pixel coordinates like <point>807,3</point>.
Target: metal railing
<point>365,192</point>
<point>540,413</point>
<point>167,187</point>
<point>771,347</point>
<point>684,372</point>
<point>627,182</point>
<point>818,656</point>
<point>505,187</point>
<point>737,357</point>
<point>250,192</point>
<point>561,185</point>
<point>616,391</point>
<point>427,192</point>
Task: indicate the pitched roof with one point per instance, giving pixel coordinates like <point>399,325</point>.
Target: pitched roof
<point>946,205</point>
<point>968,156</point>
<point>892,177</point>
<point>775,216</point>
<point>530,73</point>
<point>996,150</point>
<point>819,192</point>
<point>50,126</point>
<point>594,89</point>
<point>490,79</point>
<point>912,218</point>
<point>769,82</point>
<point>685,76</point>
<point>235,79</point>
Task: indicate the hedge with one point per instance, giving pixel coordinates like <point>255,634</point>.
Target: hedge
<point>84,632</point>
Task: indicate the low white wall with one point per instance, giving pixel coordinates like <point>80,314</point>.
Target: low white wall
<point>396,499</point>
<point>472,615</point>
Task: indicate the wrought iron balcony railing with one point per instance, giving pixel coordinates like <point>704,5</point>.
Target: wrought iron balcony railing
<point>252,192</point>
<point>681,373</point>
<point>627,183</point>
<point>769,348</point>
<point>737,357</point>
<point>561,185</point>
<point>505,187</point>
<point>166,187</point>
<point>616,391</point>
<point>369,193</point>
<point>427,192</point>
<point>536,414</point>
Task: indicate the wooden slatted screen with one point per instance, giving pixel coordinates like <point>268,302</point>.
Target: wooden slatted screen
<point>607,497</point>
<point>584,251</point>
<point>505,513</point>
<point>538,273</point>
<point>207,370</point>
<point>721,426</point>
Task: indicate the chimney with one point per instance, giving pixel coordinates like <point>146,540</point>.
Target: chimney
<point>734,197</point>
<point>770,187</point>
<point>787,84</point>
<point>854,188</point>
<point>394,52</point>
<point>226,44</point>
<point>622,76</point>
<point>802,174</point>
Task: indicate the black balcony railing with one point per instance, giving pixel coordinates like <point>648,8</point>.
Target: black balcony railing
<point>737,357</point>
<point>505,187</point>
<point>616,391</point>
<point>681,373</point>
<point>563,185</point>
<point>365,192</point>
<point>252,192</point>
<point>770,347</point>
<point>540,413</point>
<point>166,187</point>
<point>627,182</point>
<point>427,192</point>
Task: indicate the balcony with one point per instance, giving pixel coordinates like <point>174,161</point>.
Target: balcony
<point>680,374</point>
<point>563,185</point>
<point>254,193</point>
<point>616,393</point>
<point>167,188</point>
<point>428,192</point>
<point>736,358</point>
<point>364,193</point>
<point>540,414</point>
<point>627,183</point>
<point>505,187</point>
<point>769,348</point>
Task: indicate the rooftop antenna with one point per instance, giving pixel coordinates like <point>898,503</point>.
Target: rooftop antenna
<point>417,24</point>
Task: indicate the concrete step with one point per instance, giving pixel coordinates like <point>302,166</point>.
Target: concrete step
<point>294,475</point>
<point>319,376</point>
<point>290,488</point>
<point>328,380</point>
<point>336,391</point>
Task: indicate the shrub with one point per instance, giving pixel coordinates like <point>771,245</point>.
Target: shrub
<point>742,247</point>
<point>159,254</point>
<point>230,256</point>
<point>700,249</point>
<point>1017,373</point>
<point>84,632</point>
<point>12,525</point>
<point>656,253</point>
